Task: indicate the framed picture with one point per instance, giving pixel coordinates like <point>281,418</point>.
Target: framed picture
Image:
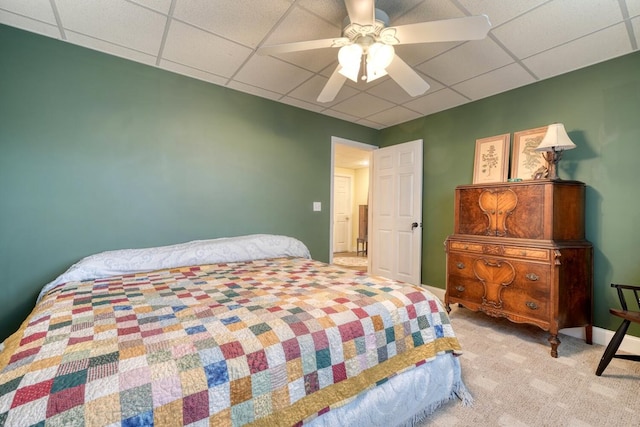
<point>491,162</point>
<point>526,163</point>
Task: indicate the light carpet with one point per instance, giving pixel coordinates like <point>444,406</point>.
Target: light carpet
<point>350,261</point>
<point>516,383</point>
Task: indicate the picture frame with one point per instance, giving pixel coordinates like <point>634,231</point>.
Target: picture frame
<point>491,162</point>
<point>526,163</point>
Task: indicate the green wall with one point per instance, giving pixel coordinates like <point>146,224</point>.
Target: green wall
<point>100,153</point>
<point>600,107</point>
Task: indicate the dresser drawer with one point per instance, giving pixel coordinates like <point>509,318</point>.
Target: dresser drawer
<point>461,264</point>
<point>522,252</point>
<point>529,295</point>
<point>466,246</point>
<point>528,253</point>
<point>465,288</point>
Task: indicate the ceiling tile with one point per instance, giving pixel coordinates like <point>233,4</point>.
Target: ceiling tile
<point>309,91</point>
<point>428,10</point>
<point>263,93</point>
<point>500,11</point>
<point>535,32</point>
<point>313,60</point>
<point>265,71</point>
<point>465,61</point>
<point>633,7</point>
<point>371,124</point>
<point>580,53</point>
<point>332,11</point>
<point>207,52</point>
<point>301,25</point>
<point>414,54</point>
<point>110,48</point>
<point>244,21</point>
<point>494,82</point>
<point>39,10</point>
<point>340,115</point>
<point>394,116</point>
<point>363,105</point>
<point>115,21</point>
<point>391,91</point>
<point>161,6</point>
<point>27,24</point>
<point>193,72</point>
<point>436,101</point>
<point>301,104</point>
<point>635,22</point>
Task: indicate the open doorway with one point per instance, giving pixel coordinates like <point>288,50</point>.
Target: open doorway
<point>350,189</point>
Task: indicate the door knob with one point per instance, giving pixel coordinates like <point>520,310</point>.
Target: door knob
<point>414,225</point>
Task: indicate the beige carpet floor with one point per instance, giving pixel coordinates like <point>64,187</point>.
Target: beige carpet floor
<point>350,261</point>
<point>515,382</point>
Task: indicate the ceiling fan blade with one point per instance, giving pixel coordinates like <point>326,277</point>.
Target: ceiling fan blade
<point>361,11</point>
<point>332,87</point>
<point>406,77</point>
<point>446,30</point>
<point>306,45</point>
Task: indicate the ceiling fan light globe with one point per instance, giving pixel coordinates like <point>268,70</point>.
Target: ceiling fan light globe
<point>349,56</point>
<point>350,72</point>
<point>380,55</point>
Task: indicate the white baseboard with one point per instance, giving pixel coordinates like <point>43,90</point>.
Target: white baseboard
<point>601,336</point>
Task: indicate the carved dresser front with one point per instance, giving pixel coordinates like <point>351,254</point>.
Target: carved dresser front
<point>519,251</point>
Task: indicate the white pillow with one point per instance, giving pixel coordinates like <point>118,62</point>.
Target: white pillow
<point>197,252</point>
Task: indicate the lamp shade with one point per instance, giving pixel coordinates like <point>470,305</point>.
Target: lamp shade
<point>556,139</point>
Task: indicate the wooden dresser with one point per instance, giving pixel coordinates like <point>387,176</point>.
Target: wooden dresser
<point>519,251</point>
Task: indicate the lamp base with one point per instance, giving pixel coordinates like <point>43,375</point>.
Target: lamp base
<point>552,158</point>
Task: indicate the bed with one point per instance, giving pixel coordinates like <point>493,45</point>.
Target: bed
<point>228,332</point>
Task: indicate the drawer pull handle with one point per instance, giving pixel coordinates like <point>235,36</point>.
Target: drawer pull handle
<point>460,288</point>
<point>532,305</point>
<point>460,265</point>
<point>533,277</point>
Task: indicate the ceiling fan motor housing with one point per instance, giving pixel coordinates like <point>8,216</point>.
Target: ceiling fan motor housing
<point>353,30</point>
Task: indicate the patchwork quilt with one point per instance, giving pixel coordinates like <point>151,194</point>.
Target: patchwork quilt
<point>262,342</point>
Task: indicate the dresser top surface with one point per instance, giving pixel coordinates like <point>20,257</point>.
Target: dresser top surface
<point>522,183</point>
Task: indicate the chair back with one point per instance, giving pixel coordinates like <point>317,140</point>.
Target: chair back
<point>630,289</point>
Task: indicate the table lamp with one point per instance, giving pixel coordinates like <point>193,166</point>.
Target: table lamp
<point>555,141</point>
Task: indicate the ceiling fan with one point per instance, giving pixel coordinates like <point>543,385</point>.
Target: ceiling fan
<point>366,46</point>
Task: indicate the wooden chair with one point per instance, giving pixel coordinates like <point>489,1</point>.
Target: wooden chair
<point>628,316</point>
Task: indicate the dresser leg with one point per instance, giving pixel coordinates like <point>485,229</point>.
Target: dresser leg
<point>588,332</point>
<point>555,342</point>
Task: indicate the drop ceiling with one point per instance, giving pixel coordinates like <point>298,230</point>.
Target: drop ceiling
<point>216,41</point>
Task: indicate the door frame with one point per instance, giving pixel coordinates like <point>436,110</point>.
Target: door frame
<point>335,140</point>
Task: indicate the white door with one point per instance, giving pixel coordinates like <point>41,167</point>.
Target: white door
<point>396,212</point>
<point>341,212</point>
